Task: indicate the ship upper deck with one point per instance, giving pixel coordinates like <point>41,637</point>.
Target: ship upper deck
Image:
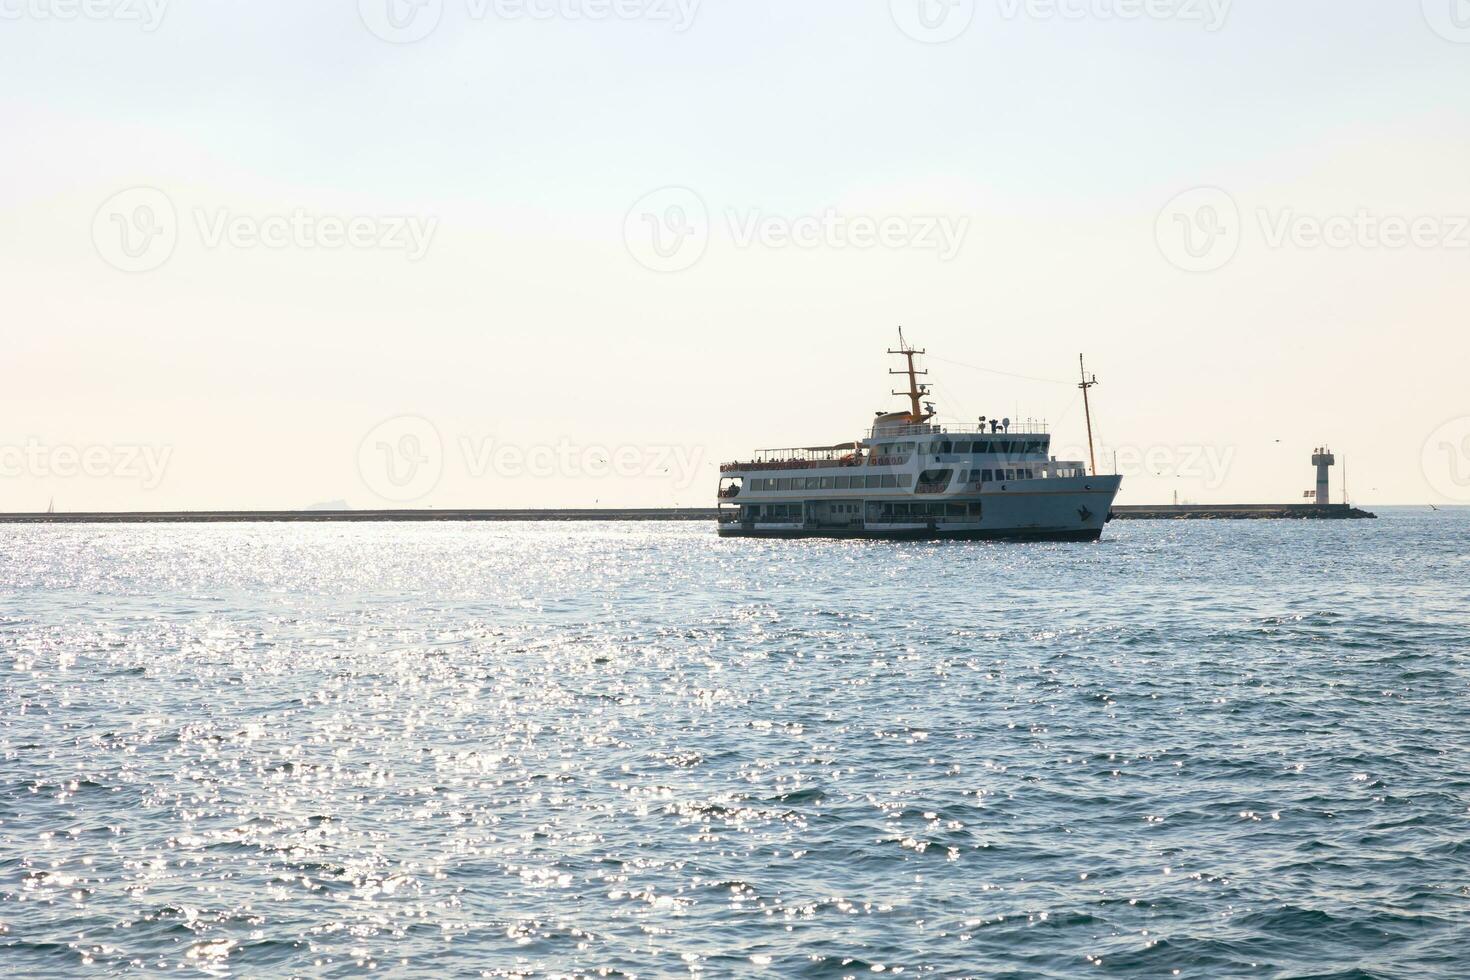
<point>896,445</point>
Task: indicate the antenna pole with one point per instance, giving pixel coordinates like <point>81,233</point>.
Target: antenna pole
<point>1087,386</point>
<point>916,391</point>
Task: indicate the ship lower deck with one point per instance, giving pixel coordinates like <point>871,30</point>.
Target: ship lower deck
<point>912,533</point>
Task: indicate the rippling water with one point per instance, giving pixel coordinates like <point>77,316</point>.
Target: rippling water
<point>1198,749</point>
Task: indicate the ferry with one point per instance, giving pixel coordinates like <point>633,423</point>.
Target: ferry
<point>911,478</point>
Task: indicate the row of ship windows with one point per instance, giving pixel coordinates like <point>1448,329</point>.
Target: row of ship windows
<point>886,481</point>
<point>875,511</point>
<point>996,476</point>
<point>1003,446</point>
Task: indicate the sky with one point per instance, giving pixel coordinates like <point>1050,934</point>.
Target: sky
<point>519,253</point>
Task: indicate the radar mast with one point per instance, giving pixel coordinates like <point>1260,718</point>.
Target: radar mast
<point>919,413</point>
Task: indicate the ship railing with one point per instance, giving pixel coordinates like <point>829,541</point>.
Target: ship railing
<point>1027,428</point>
<point>821,455</point>
<point>762,466</point>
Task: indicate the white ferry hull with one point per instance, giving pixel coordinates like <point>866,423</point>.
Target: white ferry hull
<point>1057,513</point>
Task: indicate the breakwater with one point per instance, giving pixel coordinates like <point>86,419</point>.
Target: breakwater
<point>362,516</point>
<point>1241,512</point>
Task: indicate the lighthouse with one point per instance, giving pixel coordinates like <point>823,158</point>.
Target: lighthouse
<point>1324,460</point>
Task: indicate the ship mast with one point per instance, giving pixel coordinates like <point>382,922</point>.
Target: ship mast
<point>1086,386</point>
<point>916,391</point>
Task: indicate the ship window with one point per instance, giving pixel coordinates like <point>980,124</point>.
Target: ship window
<point>824,483</point>
<point>906,479</point>
<point>783,484</point>
<point>946,447</point>
<point>974,508</point>
<point>890,480</point>
<point>962,447</point>
<point>1010,475</point>
<point>874,482</point>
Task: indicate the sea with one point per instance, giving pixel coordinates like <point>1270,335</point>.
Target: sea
<point>1198,749</point>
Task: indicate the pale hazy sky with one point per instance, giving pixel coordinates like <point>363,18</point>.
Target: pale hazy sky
<point>267,253</point>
